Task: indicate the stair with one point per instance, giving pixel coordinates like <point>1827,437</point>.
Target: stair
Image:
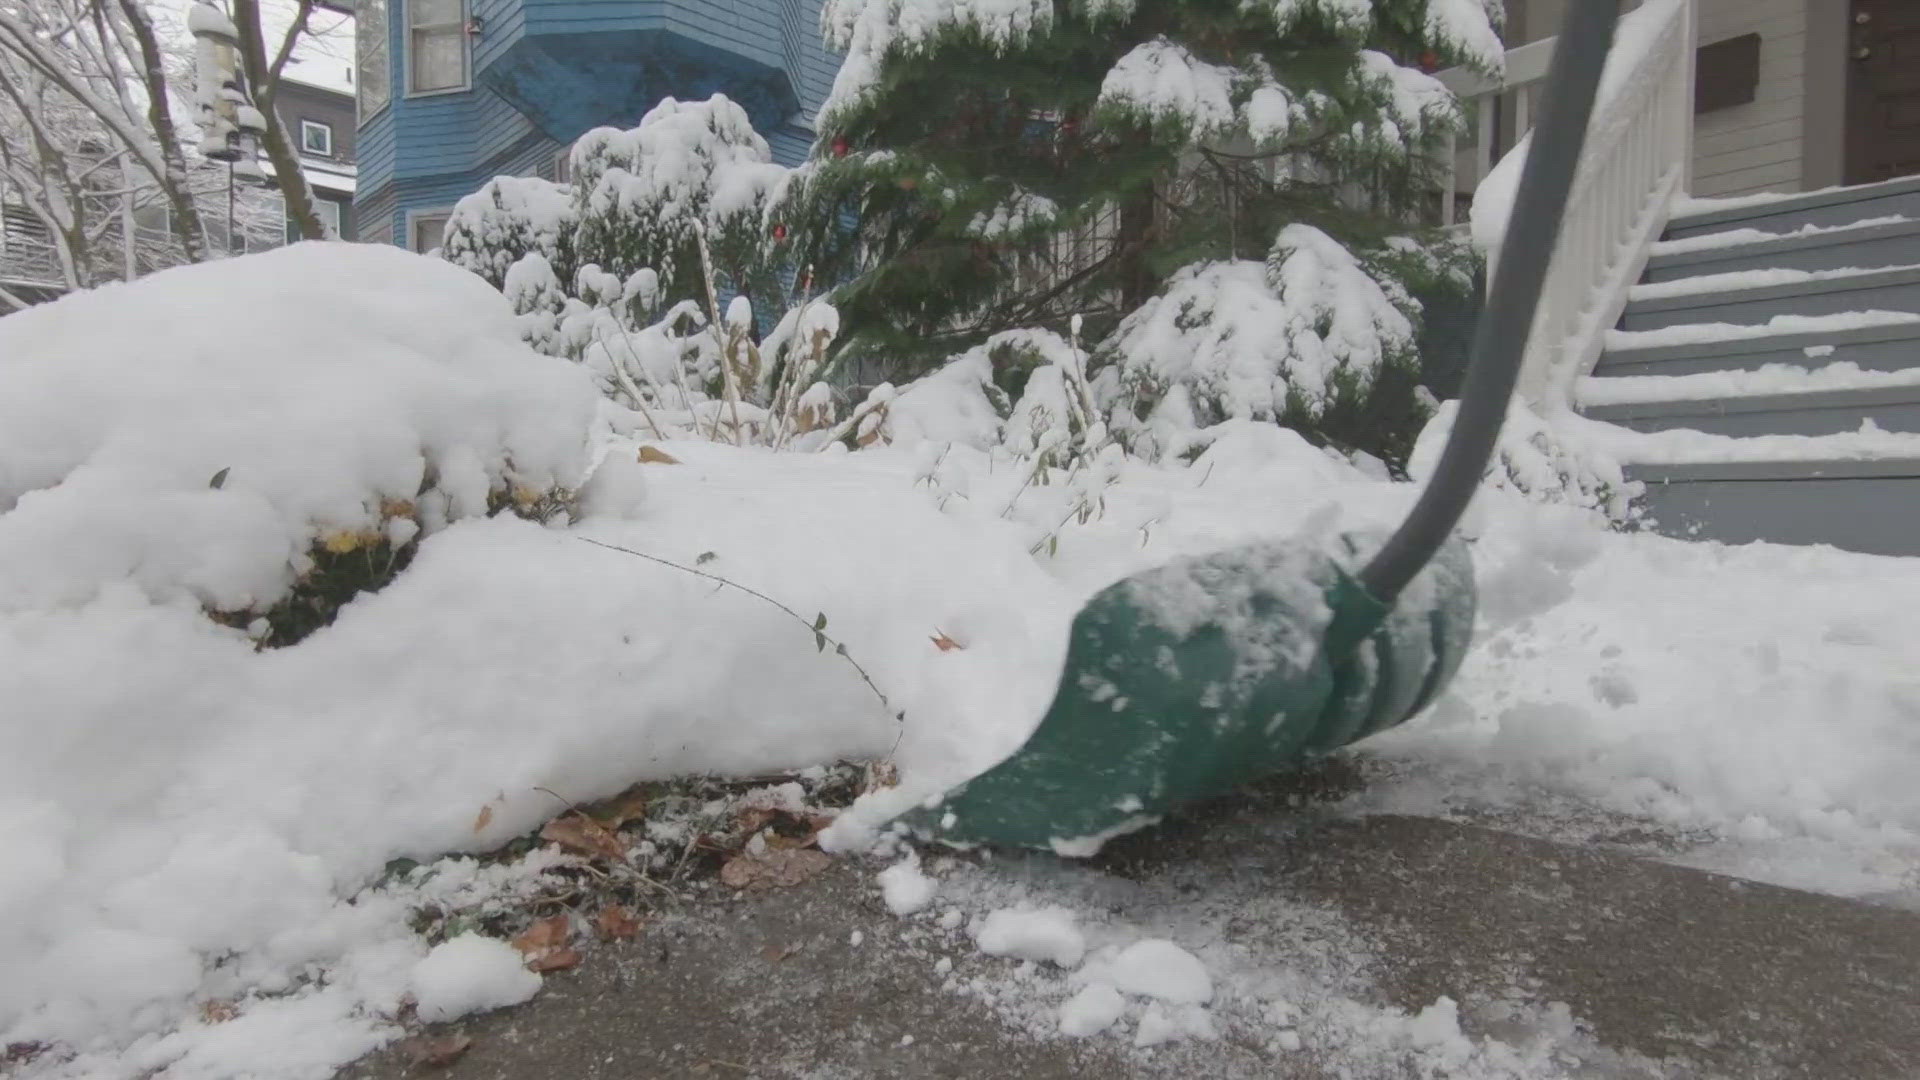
<point>1764,382</point>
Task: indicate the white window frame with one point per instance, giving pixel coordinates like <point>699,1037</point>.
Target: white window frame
<point>308,127</point>
<point>331,214</point>
<point>563,166</point>
<point>459,28</point>
<point>372,34</point>
<point>414,218</point>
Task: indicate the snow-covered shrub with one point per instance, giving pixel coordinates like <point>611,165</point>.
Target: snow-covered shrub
<point>265,437</point>
<point>507,219</point>
<point>642,197</point>
<point>1541,461</point>
<point>1298,339</point>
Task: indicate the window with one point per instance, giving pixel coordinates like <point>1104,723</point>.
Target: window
<point>426,229</point>
<point>316,138</point>
<point>563,166</point>
<point>436,46</point>
<point>370,51</point>
<point>329,212</point>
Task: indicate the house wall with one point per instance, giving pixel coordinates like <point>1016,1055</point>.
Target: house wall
<point>1759,146</point>
<point>296,102</point>
<point>424,153</point>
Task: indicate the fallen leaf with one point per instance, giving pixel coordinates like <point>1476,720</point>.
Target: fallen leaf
<point>435,1052</point>
<point>781,867</point>
<point>582,834</point>
<point>20,1053</point>
<point>219,479</point>
<point>650,455</point>
<point>486,817</point>
<point>618,922</point>
<point>623,810</point>
<point>557,960</point>
<point>545,936</point>
<point>944,643</point>
<point>218,1012</point>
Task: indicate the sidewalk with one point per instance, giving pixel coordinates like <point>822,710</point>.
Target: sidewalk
<point>1677,972</point>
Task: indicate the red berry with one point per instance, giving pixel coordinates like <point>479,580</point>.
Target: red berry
<point>1429,61</point>
<point>839,146</point>
<point>779,231</point>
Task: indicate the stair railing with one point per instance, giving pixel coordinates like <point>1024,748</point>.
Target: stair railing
<point>1637,159</point>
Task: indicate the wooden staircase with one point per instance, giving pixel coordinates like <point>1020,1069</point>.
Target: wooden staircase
<point>1764,379</point>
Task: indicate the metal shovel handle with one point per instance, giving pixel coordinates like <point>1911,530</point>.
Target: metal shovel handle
<point>1500,339</point>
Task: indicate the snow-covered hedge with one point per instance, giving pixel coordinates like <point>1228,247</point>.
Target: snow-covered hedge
<point>260,434</point>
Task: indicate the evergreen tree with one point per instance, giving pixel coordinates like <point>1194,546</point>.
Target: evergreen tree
<point>989,165</point>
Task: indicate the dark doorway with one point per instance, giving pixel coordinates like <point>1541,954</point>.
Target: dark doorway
<point>1883,90</point>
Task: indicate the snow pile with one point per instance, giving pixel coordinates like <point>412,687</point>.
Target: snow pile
<point>1740,280</point>
<point>1559,461</point>
<point>329,392</point>
<point>905,887</point>
<point>1044,934</point>
<point>469,974</point>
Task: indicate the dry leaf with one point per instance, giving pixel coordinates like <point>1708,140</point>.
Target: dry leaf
<point>547,935</point>
<point>435,1052</point>
<point>557,960</point>
<point>486,817</point>
<point>946,644</point>
<point>618,922</point>
<point>782,867</point>
<point>218,1012</point>
<point>650,455</point>
<point>580,833</point>
<point>623,810</point>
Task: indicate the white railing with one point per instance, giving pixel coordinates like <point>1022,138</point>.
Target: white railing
<point>1636,160</point>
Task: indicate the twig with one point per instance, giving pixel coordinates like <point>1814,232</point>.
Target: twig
<point>728,384</point>
<point>815,628</point>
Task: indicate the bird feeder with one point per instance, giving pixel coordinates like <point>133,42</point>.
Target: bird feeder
<point>232,129</point>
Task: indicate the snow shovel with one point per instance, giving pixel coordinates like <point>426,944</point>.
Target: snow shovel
<point>1189,680</point>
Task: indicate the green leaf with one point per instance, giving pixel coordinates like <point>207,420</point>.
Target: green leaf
<point>220,478</point>
<point>819,641</point>
<point>841,648</point>
<point>820,622</point>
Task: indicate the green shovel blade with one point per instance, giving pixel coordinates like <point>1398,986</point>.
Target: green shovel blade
<point>1188,680</point>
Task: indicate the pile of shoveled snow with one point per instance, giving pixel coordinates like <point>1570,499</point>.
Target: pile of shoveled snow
<point>184,819</point>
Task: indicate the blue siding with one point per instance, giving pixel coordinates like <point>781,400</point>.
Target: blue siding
<point>546,70</point>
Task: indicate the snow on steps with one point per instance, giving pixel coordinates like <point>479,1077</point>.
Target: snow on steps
<point>1765,382</point>
<point>1754,296</point>
<point>1872,244</point>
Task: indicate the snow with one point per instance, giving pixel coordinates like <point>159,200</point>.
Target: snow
<point>1044,934</point>
<point>1239,337</point>
<point>1637,35</point>
<point>1767,379</point>
<point>1751,279</point>
<point>470,974</point>
<point>1778,326</point>
<point>905,887</point>
<point>331,412</point>
<point>1737,237</point>
<point>1091,1011</point>
<point>1155,968</point>
<point>185,819</point>
<point>1683,446</point>
<point>867,32</point>
<point>1162,83</point>
<point>1695,206</point>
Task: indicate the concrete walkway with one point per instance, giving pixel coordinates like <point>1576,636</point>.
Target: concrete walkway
<point>1675,972</point>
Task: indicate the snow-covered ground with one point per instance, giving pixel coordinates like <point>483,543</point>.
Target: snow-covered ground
<point>184,819</point>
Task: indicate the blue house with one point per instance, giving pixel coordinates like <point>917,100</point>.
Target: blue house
<point>455,92</point>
